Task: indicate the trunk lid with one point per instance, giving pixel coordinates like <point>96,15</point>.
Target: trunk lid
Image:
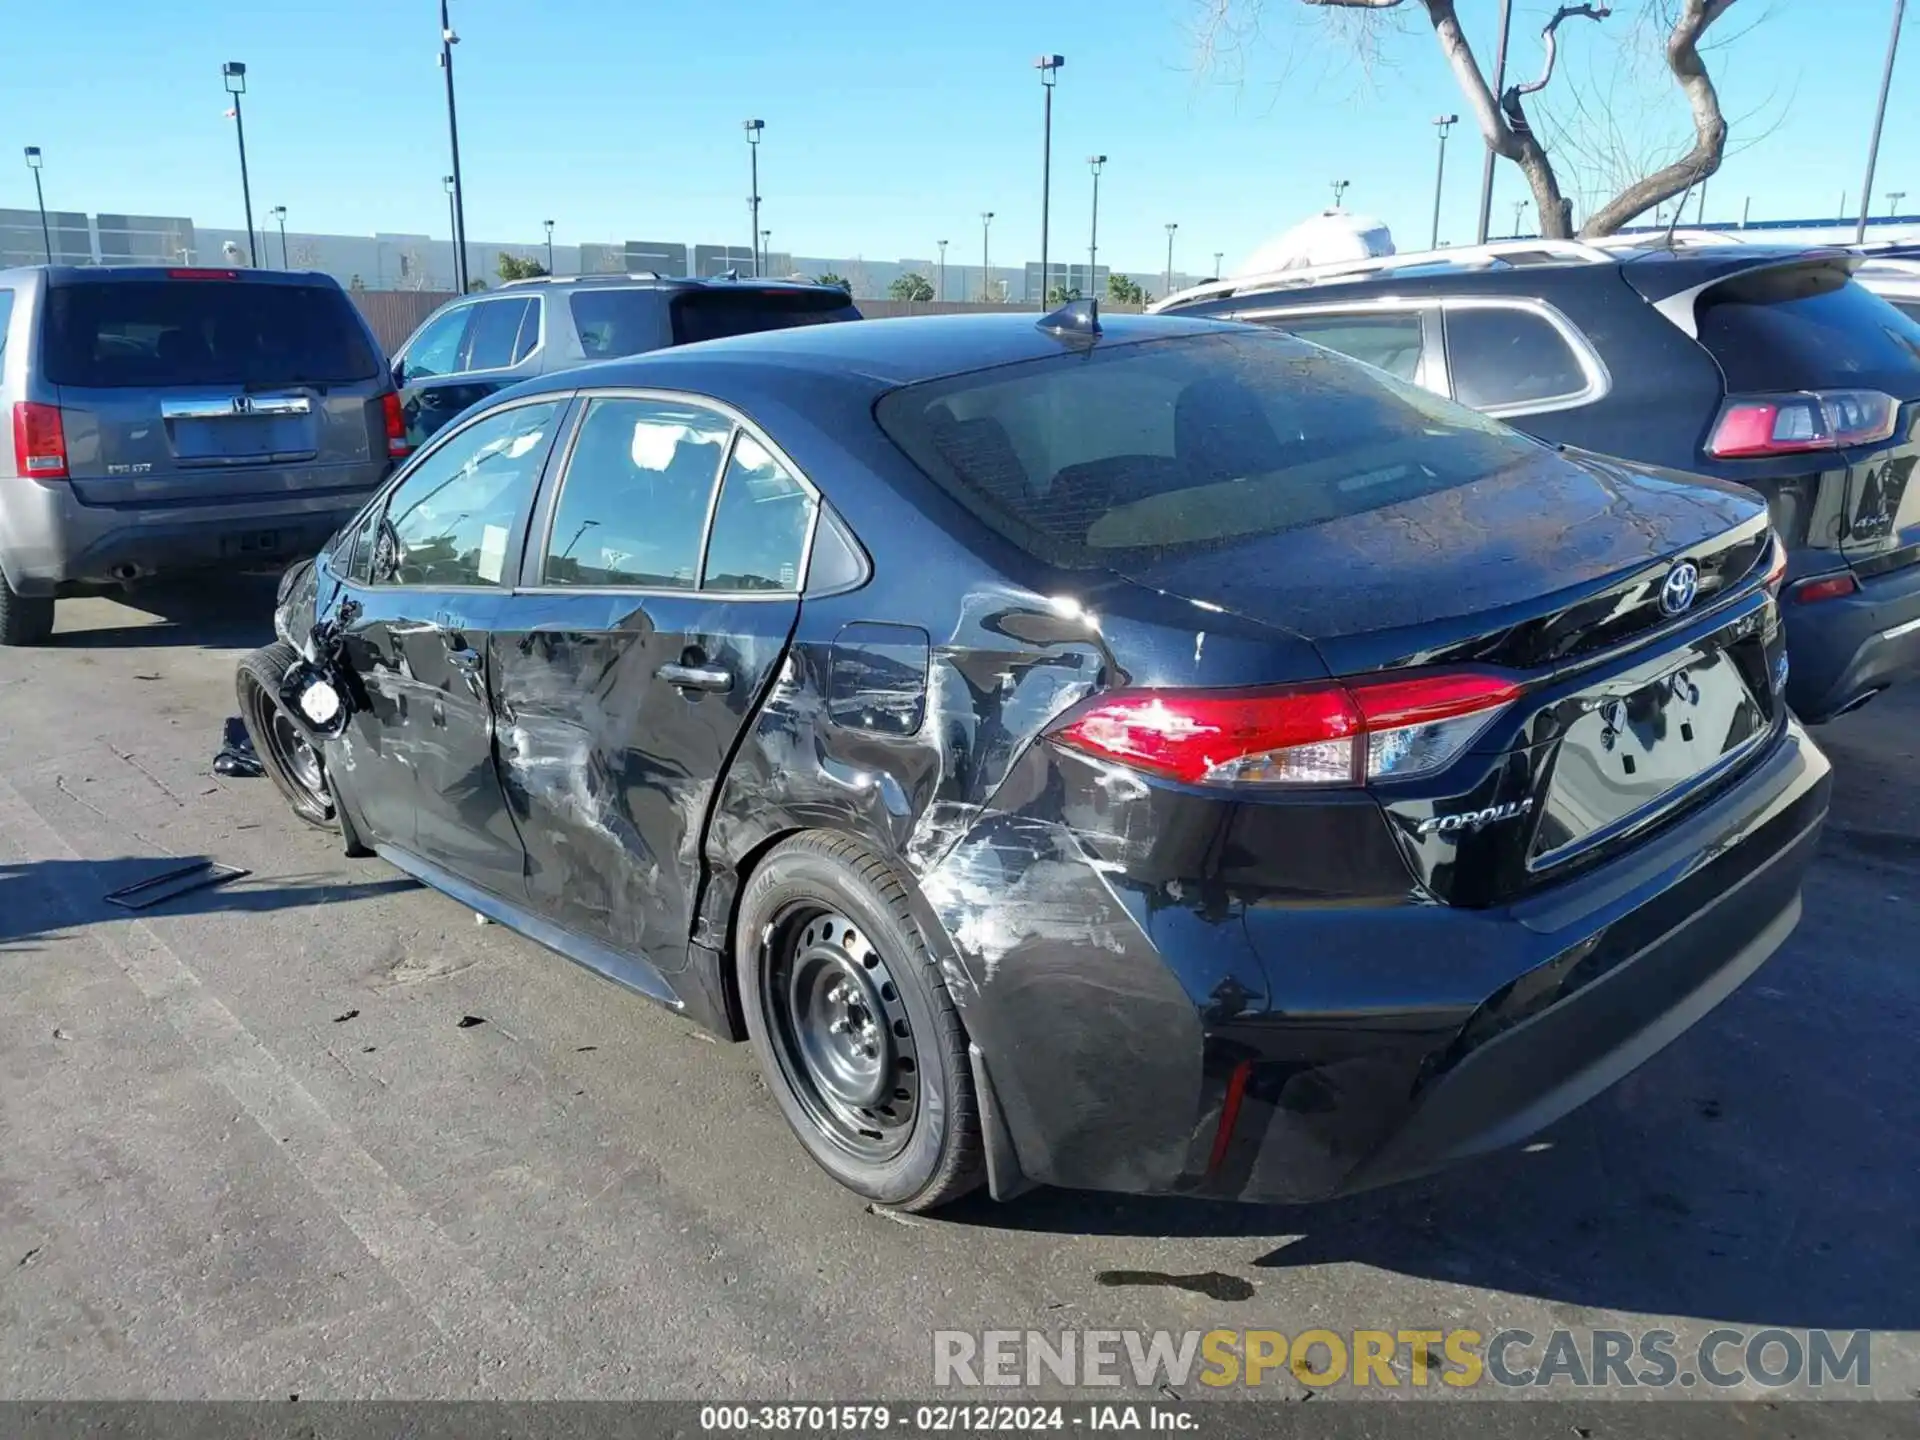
<point>211,390</point>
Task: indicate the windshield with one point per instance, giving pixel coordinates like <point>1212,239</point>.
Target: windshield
<point>121,333</point>
<point>1166,446</point>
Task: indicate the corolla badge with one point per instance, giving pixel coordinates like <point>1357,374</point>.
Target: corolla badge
<point>1679,588</point>
<point>1473,819</point>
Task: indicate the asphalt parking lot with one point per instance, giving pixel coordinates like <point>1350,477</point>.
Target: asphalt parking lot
<point>256,1144</point>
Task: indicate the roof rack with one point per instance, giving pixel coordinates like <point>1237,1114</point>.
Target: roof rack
<point>601,279</point>
<point>1464,257</point>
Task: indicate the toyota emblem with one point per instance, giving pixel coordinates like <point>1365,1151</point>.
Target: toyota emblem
<point>1681,585</point>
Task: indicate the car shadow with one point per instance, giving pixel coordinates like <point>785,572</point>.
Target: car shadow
<point>41,898</point>
<point>216,611</point>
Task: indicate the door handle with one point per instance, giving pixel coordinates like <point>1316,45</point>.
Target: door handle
<point>465,660</point>
<point>696,677</point>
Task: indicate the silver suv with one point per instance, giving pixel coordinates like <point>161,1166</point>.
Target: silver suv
<point>173,419</point>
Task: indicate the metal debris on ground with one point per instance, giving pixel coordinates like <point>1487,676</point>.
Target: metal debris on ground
<point>170,884</point>
<point>237,757</point>
<point>467,1022</point>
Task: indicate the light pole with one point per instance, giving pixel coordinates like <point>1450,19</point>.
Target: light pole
<point>459,192</point>
<point>453,229</point>
<point>1049,68</point>
<point>46,235</point>
<point>280,215</point>
<point>1499,88</point>
<point>1519,209</point>
<point>1339,190</point>
<point>1094,163</point>
<point>986,270</point>
<point>1442,123</point>
<point>235,75</point>
<point>549,225</point>
<point>943,268</point>
<point>1218,256</point>
<point>1879,119</point>
<point>1894,197</point>
<point>1172,225</point>
<point>766,248</point>
<point>753,129</point>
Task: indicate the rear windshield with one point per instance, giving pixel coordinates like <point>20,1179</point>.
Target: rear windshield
<point>1168,446</point>
<point>715,314</point>
<point>1805,327</point>
<point>203,332</point>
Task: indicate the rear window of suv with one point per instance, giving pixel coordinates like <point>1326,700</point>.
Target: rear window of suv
<point>120,333</point>
<point>1805,327</point>
<point>1177,445</point>
<point>714,314</point>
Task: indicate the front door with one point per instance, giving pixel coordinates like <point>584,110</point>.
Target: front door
<point>652,618</point>
<point>419,759</point>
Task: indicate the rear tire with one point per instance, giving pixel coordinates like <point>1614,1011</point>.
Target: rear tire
<point>849,1014</point>
<point>293,761</point>
<point>24,619</point>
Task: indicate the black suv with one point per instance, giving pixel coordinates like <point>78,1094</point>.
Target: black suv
<point>477,344</point>
<point>1766,366</point>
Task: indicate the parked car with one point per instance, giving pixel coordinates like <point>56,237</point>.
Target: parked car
<point>1769,367</point>
<point>1895,279</point>
<point>474,346</point>
<point>167,419</point>
<point>1158,757</point>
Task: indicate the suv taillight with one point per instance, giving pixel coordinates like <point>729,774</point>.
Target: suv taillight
<point>1751,425</point>
<point>39,441</point>
<point>1337,732</point>
<point>396,420</point>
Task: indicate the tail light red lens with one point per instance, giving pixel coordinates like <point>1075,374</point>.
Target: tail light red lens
<point>1341,732</point>
<point>39,441</point>
<point>1756,425</point>
<point>396,421</point>
<point>1824,587</point>
<point>192,274</point>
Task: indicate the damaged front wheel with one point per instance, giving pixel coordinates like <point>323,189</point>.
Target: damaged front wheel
<point>289,756</point>
<point>850,1017</point>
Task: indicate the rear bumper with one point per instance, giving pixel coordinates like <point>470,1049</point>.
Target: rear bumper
<point>50,541</point>
<point>1843,650</point>
<point>1273,1052</point>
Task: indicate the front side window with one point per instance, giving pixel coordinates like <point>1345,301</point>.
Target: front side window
<point>436,349</point>
<point>633,502</point>
<point>1386,340</point>
<point>450,521</point>
<point>1499,356</point>
<point>759,524</point>
<point>1174,446</point>
<point>494,333</point>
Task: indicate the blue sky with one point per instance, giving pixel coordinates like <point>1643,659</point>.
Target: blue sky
<point>889,126</point>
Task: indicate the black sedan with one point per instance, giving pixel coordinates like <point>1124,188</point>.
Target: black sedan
<point>1139,754</point>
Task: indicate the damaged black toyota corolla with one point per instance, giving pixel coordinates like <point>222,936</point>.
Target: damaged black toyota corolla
<point>1148,755</point>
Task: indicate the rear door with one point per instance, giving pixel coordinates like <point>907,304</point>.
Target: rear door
<point>652,617</point>
<point>463,355</point>
<point>212,387</point>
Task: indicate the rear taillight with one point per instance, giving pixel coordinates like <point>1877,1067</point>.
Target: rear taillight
<point>396,420</point>
<point>1345,732</point>
<point>191,274</point>
<point>39,441</point>
<point>1824,587</point>
<point>1751,425</point>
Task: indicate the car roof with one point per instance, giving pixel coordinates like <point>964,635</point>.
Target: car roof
<point>652,280</point>
<point>120,274</point>
<point>882,353</point>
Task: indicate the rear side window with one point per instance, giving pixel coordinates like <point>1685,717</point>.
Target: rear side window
<point>6,316</point>
<point>615,322</point>
<point>1502,356</point>
<point>759,524</point>
<point>713,314</point>
<point>1389,341</point>
<point>1172,446</point>
<point>1807,327</point>
<point>633,505</point>
<point>202,332</point>
<point>495,332</point>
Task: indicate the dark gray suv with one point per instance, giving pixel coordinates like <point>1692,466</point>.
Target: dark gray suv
<point>473,346</point>
<point>171,419</point>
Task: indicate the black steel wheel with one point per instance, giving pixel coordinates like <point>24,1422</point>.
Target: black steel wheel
<point>849,1013</point>
<point>295,764</point>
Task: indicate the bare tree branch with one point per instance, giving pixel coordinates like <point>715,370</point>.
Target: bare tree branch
<point>1709,125</point>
